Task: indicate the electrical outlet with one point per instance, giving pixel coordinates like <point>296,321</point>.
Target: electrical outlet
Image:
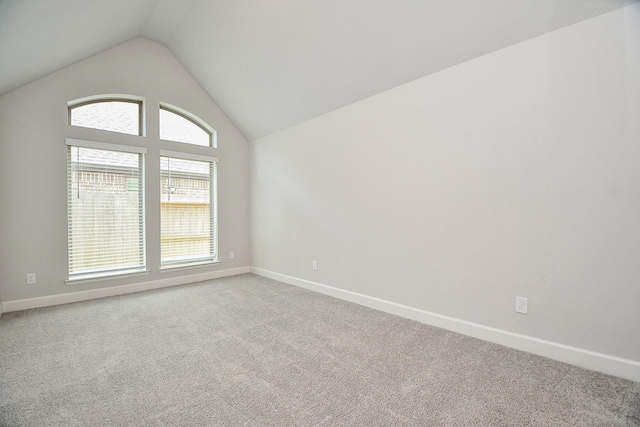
<point>314,265</point>
<point>522,305</point>
<point>232,255</point>
<point>31,278</point>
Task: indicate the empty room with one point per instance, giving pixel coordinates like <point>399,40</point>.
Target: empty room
<point>311,213</point>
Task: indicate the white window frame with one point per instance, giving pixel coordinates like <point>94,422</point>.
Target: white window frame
<point>75,277</point>
<point>213,188</point>
<point>182,150</point>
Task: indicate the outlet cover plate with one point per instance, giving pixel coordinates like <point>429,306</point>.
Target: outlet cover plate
<point>522,305</point>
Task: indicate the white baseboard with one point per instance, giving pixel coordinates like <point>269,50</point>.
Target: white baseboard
<point>25,304</point>
<point>591,360</point>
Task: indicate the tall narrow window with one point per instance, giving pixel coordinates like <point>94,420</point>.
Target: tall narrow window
<point>181,126</point>
<point>116,115</point>
<point>105,195</point>
<point>188,209</point>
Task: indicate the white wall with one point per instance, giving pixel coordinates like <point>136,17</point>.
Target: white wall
<point>33,128</point>
<point>514,174</point>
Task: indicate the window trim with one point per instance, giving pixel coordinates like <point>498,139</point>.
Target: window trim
<point>99,145</point>
<point>188,156</point>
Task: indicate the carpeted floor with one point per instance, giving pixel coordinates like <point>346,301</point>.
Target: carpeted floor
<point>249,351</point>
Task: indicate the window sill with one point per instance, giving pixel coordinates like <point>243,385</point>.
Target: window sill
<point>98,277</point>
<point>174,267</point>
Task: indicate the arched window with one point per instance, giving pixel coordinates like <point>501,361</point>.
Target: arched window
<point>179,125</point>
<point>107,112</point>
<point>106,186</point>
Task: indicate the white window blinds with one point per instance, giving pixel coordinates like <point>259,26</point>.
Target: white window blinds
<point>105,194</point>
<point>188,209</point>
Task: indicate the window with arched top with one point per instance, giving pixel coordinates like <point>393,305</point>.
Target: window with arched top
<point>107,187</point>
<point>179,125</point>
<point>109,113</point>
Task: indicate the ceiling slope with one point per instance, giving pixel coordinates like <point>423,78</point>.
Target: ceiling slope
<point>38,37</point>
<point>270,65</point>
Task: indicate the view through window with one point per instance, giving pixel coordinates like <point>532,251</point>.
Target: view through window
<point>187,214</point>
<point>106,190</point>
<point>121,116</point>
<point>105,210</point>
<point>175,126</point>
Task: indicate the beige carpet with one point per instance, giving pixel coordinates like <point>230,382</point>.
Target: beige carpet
<point>249,351</point>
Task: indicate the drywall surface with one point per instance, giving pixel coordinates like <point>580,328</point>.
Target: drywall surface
<point>514,174</point>
<point>33,128</point>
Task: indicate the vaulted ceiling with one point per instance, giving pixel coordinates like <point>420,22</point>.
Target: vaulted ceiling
<point>272,64</point>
